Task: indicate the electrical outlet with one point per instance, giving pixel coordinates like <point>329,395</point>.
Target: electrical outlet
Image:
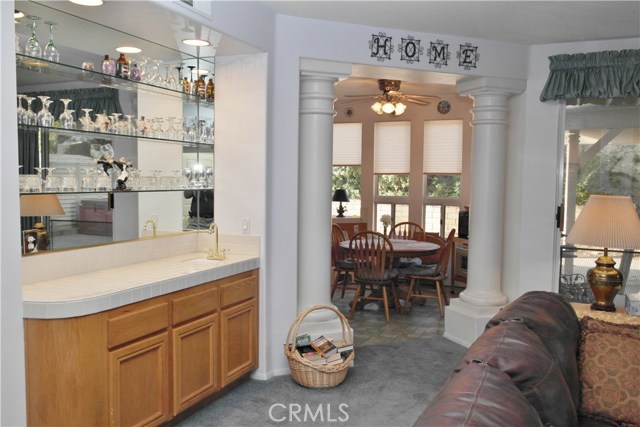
<point>356,229</point>
<point>245,225</point>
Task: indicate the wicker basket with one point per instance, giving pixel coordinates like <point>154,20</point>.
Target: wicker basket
<point>314,375</point>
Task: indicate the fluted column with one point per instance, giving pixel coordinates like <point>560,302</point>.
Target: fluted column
<point>483,295</point>
<point>314,184</point>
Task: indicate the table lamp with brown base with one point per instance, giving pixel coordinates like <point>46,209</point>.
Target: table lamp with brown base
<point>606,222</point>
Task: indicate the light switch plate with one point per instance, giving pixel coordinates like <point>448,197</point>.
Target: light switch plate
<point>245,225</point>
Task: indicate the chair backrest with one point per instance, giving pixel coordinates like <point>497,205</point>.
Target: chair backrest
<point>406,231</point>
<point>431,238</point>
<point>443,263</point>
<point>372,256</point>
<point>337,236</point>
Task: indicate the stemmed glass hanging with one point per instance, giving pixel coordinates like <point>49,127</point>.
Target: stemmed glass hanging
<point>33,46</point>
<point>50,50</point>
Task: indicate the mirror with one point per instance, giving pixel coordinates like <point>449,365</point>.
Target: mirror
<point>125,157</point>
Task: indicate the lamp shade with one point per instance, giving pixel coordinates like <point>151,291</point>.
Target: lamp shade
<point>607,222</point>
<point>40,205</point>
<point>340,196</point>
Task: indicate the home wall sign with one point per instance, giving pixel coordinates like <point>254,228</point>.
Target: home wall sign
<point>381,47</point>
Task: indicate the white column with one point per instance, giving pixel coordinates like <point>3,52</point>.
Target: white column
<point>314,191</point>
<point>466,316</point>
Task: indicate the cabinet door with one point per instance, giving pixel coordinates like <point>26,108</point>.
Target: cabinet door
<point>239,340</point>
<point>139,383</point>
<point>195,361</point>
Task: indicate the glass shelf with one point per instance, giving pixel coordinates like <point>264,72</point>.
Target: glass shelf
<point>115,191</point>
<point>74,73</point>
<point>104,135</point>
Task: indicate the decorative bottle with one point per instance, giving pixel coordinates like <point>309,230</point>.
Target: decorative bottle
<point>108,66</point>
<point>122,67</point>
<point>201,87</point>
<point>134,73</point>
<point>186,86</point>
<point>210,92</point>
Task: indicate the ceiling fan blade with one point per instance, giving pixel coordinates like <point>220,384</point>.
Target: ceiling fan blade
<point>423,96</point>
<point>418,101</point>
<point>361,96</point>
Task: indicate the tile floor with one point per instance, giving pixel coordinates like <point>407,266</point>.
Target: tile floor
<point>370,327</point>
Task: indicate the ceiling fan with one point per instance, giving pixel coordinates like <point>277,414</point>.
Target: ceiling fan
<point>390,101</point>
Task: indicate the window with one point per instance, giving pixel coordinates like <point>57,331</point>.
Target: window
<point>392,146</point>
<point>442,168</point>
<point>347,154</point>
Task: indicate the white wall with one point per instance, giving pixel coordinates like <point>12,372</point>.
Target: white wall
<point>241,191</point>
<point>534,148</point>
<point>12,382</point>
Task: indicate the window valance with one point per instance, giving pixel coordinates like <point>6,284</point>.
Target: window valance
<point>597,75</point>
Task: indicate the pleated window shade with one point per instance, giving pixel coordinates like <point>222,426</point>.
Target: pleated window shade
<point>442,147</point>
<point>347,144</point>
<point>392,148</point>
<point>607,222</point>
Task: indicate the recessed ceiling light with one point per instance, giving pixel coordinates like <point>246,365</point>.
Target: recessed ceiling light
<point>195,42</point>
<point>128,49</point>
<point>200,72</point>
<point>87,2</point>
<point>17,14</point>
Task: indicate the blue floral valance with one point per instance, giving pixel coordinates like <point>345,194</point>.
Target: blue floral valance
<point>596,75</point>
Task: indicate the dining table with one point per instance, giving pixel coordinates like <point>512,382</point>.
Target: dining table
<point>406,248</point>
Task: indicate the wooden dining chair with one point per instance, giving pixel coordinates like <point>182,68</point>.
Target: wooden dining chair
<point>427,281</point>
<point>406,231</point>
<point>372,257</point>
<point>342,265</point>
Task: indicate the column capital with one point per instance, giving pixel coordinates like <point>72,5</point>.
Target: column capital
<point>490,85</point>
<point>320,68</point>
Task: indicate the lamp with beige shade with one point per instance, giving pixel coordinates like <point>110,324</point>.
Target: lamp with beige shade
<point>40,205</point>
<point>609,222</point>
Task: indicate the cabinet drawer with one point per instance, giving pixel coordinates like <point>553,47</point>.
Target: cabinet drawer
<point>138,323</point>
<point>194,305</point>
<point>238,291</point>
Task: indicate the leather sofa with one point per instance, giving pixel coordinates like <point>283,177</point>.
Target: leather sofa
<point>522,371</point>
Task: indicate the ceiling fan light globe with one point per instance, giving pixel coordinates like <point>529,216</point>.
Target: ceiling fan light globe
<point>400,108</point>
<point>388,108</point>
<point>376,107</point>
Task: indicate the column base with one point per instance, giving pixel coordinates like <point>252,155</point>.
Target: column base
<point>463,322</point>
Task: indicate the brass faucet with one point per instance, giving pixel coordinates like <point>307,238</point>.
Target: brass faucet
<point>153,226</point>
<point>215,254</point>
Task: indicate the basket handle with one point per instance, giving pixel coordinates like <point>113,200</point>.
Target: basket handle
<point>293,329</point>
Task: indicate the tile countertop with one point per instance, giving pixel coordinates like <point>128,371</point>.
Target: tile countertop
<point>91,292</point>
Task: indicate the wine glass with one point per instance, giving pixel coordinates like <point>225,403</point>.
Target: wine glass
<point>107,152</point>
<point>169,81</point>
<point>22,113</point>
<point>18,48</point>
<point>87,123</point>
<point>31,118</point>
<point>33,45</point>
<point>156,79</point>
<point>50,50</point>
<point>66,118</point>
<point>45,118</point>
<point>187,174</point>
<point>128,125</point>
<point>115,122</point>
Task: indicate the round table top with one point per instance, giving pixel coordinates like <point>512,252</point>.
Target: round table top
<point>401,245</point>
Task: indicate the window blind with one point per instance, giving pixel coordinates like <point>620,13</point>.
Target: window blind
<point>392,147</point>
<point>442,147</point>
<point>347,144</point>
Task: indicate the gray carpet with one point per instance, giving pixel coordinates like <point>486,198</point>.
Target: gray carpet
<point>390,385</point>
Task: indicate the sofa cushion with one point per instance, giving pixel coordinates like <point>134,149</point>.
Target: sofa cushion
<point>513,348</point>
<point>555,322</point>
<point>479,395</point>
<point>609,360</point>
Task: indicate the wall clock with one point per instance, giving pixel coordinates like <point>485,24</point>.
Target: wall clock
<point>444,107</point>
